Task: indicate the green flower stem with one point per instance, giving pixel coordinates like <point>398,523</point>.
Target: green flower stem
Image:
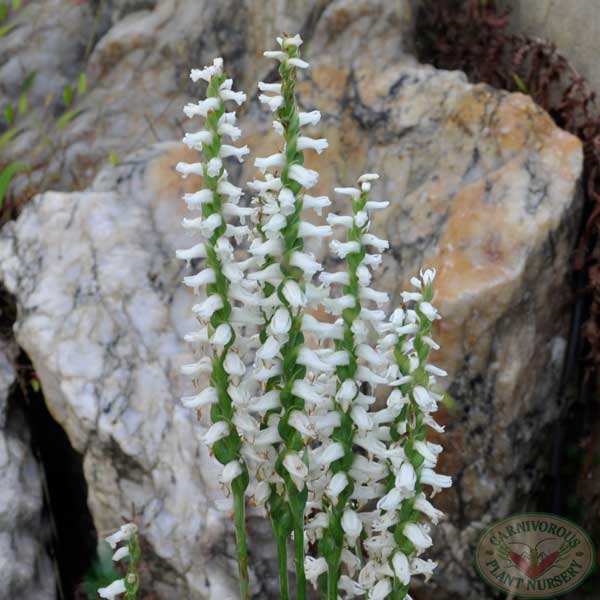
<point>333,537</point>
<point>239,505</point>
<point>282,564</point>
<point>132,580</point>
<point>227,449</point>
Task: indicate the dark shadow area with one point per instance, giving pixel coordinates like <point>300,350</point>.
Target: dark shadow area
<point>72,539</point>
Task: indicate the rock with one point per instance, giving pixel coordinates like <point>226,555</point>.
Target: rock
<point>482,185</point>
<point>574,32</point>
<point>25,567</point>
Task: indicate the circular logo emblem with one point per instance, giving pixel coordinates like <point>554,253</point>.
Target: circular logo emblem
<point>534,555</point>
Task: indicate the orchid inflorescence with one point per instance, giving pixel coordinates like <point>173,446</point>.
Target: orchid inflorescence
<point>322,422</point>
<point>130,551</point>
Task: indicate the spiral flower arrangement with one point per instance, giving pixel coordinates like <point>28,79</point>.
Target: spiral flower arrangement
<point>320,423</point>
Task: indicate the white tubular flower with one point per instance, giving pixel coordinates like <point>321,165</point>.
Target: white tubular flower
<point>318,203</point>
<point>352,525</point>
<point>238,97</point>
<point>275,160</point>
<point>204,277</point>
<point>435,480</point>
<point>382,589</point>
<point>296,468</point>
<point>123,534</point>
<point>269,349</point>
<point>273,102</point>
<point>206,397</point>
<point>217,432</point>
<point>231,470</point>
<point>298,63</point>
<point>197,251</point>
<point>206,309</point>
<point>281,322</point>
<point>318,146</point>
<point>314,568</point>
<point>120,553</point>
<point>423,505</point>
<point>306,229</point>
<point>226,151</point>
<point>307,178</point>
<point>195,140</point>
<point>350,587</point>
<point>401,567</point>
<point>214,167</point>
<point>110,592</point>
<point>334,331</point>
<point>309,118</point>
<point>391,501</point>
<point>416,534</point>
<point>348,191</point>
<point>189,169</point>
<point>261,493</point>
<point>202,108</point>
<point>207,72</point>
<point>273,88</point>
<point>330,454</point>
<point>310,359</point>
<point>306,262</point>
<point>418,566</point>
<point>197,199</point>
<point>336,486</point>
<point>293,294</point>
<point>301,423</point>
<point>380,245</point>
<point>406,480</point>
<point>342,249</point>
<point>340,277</point>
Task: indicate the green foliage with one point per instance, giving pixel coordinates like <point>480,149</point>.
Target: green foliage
<point>8,135</point>
<point>81,84</point>
<point>114,159</point>
<point>9,113</point>
<point>6,175</point>
<point>4,29</point>
<point>67,94</point>
<point>101,573</point>
<point>66,117</point>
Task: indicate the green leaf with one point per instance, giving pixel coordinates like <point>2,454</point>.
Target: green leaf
<point>520,84</point>
<point>81,84</point>
<point>6,29</point>
<point>67,94</point>
<point>114,159</point>
<point>22,103</point>
<point>9,113</point>
<point>28,82</point>
<point>3,11</point>
<point>8,135</point>
<point>66,117</point>
<point>7,174</point>
<point>16,4</point>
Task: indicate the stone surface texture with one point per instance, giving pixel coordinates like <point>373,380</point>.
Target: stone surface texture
<point>482,186</point>
<point>25,567</point>
<point>574,27</point>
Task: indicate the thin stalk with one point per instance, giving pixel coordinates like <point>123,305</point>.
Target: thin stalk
<point>299,560</point>
<point>242,548</point>
<point>282,564</point>
<point>332,582</point>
